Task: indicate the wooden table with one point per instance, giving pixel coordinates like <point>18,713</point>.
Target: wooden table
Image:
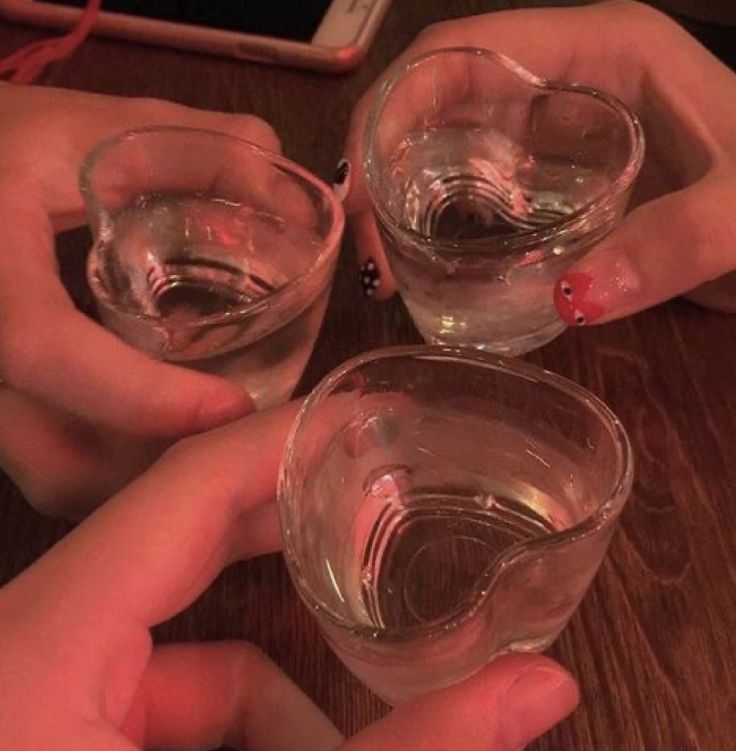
<point>654,642</point>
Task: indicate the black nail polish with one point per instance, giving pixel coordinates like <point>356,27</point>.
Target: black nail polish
<point>370,277</point>
<point>341,180</point>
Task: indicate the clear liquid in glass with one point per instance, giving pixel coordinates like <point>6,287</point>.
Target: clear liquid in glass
<point>405,534</point>
<point>411,511</point>
<point>177,261</point>
<point>427,559</point>
<point>473,183</point>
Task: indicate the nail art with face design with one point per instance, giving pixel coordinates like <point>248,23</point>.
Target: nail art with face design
<point>370,277</point>
<point>341,180</point>
<point>571,303</point>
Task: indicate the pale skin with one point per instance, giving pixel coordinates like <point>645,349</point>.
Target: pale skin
<point>79,671</point>
<point>681,231</point>
<point>75,399</point>
<point>74,394</point>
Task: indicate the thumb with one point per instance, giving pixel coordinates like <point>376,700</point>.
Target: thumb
<point>503,707</point>
<point>662,249</point>
<point>201,696</point>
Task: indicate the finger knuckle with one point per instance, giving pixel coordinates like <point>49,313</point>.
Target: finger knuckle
<point>247,659</point>
<point>182,449</point>
<point>53,501</point>
<point>710,224</point>
<point>18,353</point>
<point>152,110</point>
<point>260,132</point>
<point>639,17</point>
<point>434,31</point>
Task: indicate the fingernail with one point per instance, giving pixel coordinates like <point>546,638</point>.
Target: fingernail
<point>583,297</point>
<point>224,408</point>
<point>370,277</point>
<point>536,701</point>
<point>341,181</point>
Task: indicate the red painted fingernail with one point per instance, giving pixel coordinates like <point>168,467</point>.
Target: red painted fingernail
<point>608,287</point>
<point>571,298</point>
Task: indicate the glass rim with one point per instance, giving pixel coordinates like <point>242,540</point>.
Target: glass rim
<point>520,239</point>
<point>604,515</point>
<point>329,246</point>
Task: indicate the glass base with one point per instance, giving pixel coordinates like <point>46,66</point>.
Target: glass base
<point>508,347</point>
<point>395,686</point>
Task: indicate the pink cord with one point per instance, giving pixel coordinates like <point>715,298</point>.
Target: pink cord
<point>28,63</point>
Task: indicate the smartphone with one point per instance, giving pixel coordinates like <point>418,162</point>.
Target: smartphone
<point>327,35</point>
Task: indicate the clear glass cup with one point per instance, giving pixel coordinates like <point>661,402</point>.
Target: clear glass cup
<point>212,253</point>
<point>487,183</point>
<point>440,507</point>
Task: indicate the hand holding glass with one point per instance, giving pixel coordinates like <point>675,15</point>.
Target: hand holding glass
<point>488,183</point>
<point>440,507</point>
<point>212,253</point>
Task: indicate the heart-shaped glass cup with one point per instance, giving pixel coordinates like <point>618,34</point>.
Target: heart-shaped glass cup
<point>488,183</point>
<point>440,507</point>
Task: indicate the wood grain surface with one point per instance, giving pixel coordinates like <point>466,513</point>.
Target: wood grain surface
<point>654,642</point>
